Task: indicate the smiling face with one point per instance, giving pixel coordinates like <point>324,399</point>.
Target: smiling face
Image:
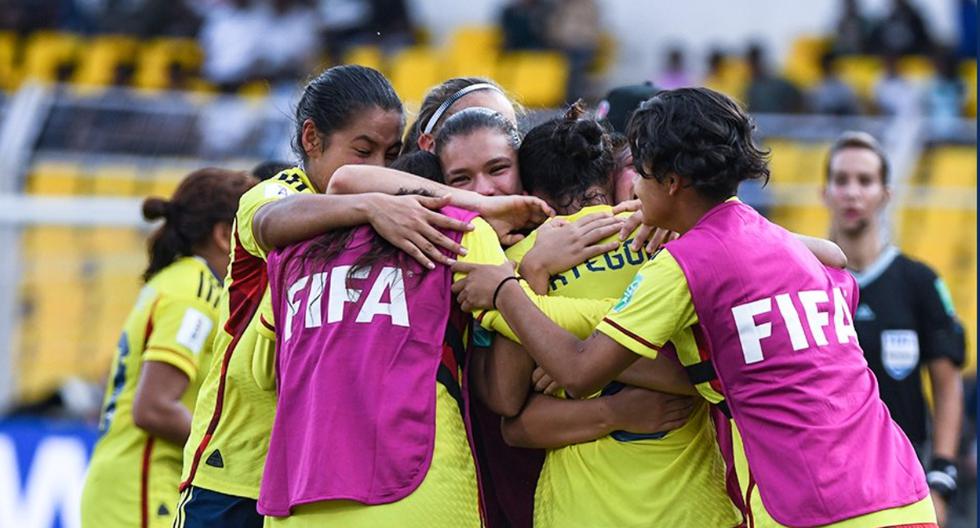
<point>373,137</point>
<point>855,191</point>
<point>482,161</point>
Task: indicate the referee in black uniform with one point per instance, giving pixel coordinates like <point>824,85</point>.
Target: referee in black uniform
<point>905,318</point>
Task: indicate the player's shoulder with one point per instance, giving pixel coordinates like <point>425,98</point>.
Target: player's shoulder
<point>287,182</point>
<point>188,279</point>
<point>914,270</point>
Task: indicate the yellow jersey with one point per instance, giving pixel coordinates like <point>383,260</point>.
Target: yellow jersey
<point>233,415</point>
<point>133,476</point>
<point>676,480</point>
<point>448,496</point>
<point>657,308</point>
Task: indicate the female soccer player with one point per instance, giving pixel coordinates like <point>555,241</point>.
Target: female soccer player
<point>159,362</point>
<point>477,148</point>
<point>347,115</point>
<point>452,96</point>
<point>773,324</point>
<point>606,477</point>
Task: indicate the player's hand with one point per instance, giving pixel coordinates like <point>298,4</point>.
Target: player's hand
<point>508,214</point>
<point>475,291</point>
<point>411,223</point>
<point>643,411</point>
<point>561,245</point>
<point>939,503</point>
<point>646,235</point>
<point>543,383</point>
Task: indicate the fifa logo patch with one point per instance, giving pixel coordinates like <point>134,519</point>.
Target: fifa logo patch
<point>899,352</point>
<point>628,294</point>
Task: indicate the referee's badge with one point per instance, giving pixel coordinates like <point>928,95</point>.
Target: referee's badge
<point>899,352</point>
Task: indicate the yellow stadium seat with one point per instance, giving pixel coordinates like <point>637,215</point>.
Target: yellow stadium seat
<point>536,78</point>
<point>55,178</point>
<point>102,56</point>
<point>916,67</point>
<point>813,220</point>
<point>860,72</point>
<point>46,52</point>
<point>9,76</point>
<point>803,62</point>
<point>474,41</point>
<point>415,70</point>
<point>954,166</point>
<point>115,180</point>
<point>157,56</point>
<point>732,79</point>
<point>968,72</point>
<point>370,56</point>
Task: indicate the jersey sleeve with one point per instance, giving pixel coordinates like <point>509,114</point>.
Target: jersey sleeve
<point>264,193</point>
<point>941,334</point>
<point>656,306</point>
<point>578,316</point>
<point>182,329</point>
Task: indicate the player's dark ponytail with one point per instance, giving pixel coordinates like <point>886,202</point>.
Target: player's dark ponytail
<point>204,198</point>
<point>338,94</point>
<point>568,159</point>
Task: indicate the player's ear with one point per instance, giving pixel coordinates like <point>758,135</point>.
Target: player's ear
<point>427,142</point>
<point>221,236</point>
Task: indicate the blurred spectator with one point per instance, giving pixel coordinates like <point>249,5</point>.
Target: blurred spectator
<point>350,23</point>
<point>231,37</point>
<point>522,24</point>
<point>269,168</point>
<point>944,95</point>
<point>893,94</point>
<point>902,31</point>
<point>289,49</point>
<point>768,93</point>
<point>852,29</point>
<point>573,27</point>
<point>675,74</point>
<point>832,95</point>
<point>722,77</point>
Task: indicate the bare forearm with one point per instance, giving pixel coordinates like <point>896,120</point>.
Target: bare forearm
<point>661,374</point>
<point>170,421</point>
<point>299,217</point>
<point>508,377</point>
<point>827,252</point>
<point>550,423</point>
<point>536,277</point>
<point>947,390</point>
<point>356,179</point>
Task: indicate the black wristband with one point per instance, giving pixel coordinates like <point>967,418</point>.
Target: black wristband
<point>499,286</point>
<point>942,476</point>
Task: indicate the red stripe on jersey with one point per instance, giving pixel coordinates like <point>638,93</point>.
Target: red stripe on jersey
<point>145,484</point>
<point>704,352</point>
<point>635,337</point>
<point>248,282</point>
<point>149,324</point>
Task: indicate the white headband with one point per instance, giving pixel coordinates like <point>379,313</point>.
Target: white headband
<point>437,115</point>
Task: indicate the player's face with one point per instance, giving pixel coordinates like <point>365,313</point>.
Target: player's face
<point>655,200</point>
<point>373,137</point>
<point>855,192</point>
<point>624,177</point>
<point>483,162</point>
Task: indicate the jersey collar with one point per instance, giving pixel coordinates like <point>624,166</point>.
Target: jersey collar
<point>872,272</point>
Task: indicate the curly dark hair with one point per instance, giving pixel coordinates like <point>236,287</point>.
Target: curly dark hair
<point>700,135</point>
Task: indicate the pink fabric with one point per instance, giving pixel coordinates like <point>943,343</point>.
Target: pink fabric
<point>819,441</point>
<point>355,418</point>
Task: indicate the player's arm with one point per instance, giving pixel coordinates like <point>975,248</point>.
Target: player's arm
<point>550,423</point>
<point>827,252</point>
<point>500,375</point>
<point>659,301</point>
<point>182,329</point>
<point>157,406</point>
<point>506,214</point>
<point>659,374</point>
<point>408,222</point>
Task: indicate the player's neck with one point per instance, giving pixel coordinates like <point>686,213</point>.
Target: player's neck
<point>862,248</point>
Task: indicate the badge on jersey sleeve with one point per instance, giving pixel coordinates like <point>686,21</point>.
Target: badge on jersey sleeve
<point>194,330</point>
<point>273,190</point>
<point>899,352</point>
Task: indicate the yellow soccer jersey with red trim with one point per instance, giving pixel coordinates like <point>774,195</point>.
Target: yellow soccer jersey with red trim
<point>233,415</point>
<point>657,308</point>
<point>615,483</point>
<point>133,476</point>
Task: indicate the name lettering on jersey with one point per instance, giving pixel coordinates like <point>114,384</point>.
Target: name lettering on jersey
<point>609,261</point>
<point>818,309</point>
<point>385,297</point>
